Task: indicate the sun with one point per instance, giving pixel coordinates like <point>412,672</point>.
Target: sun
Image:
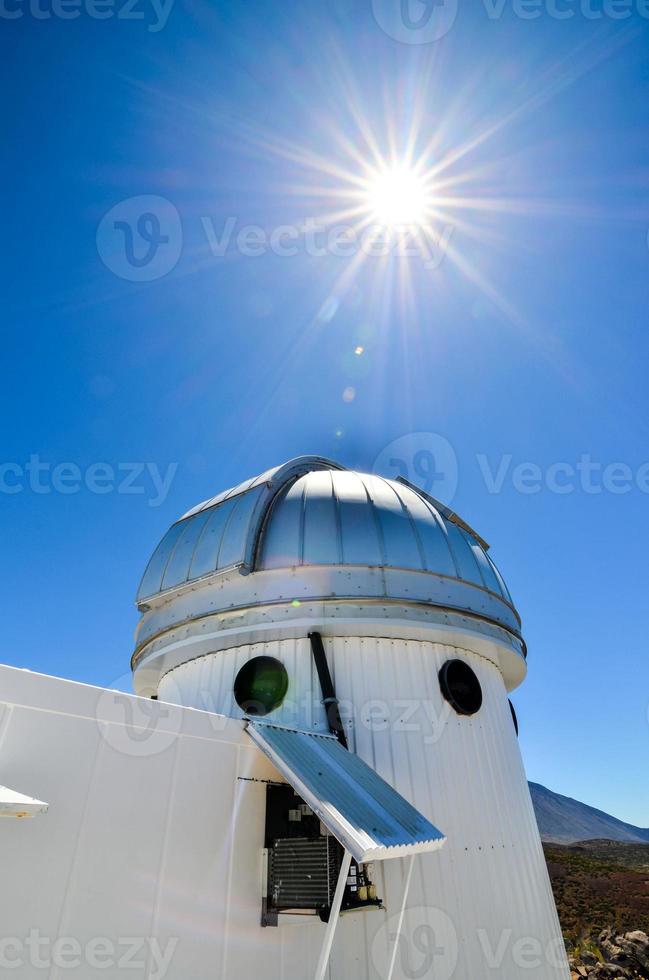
<point>398,197</point>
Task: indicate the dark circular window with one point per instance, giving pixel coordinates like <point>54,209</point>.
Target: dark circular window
<point>261,685</point>
<point>514,717</point>
<point>460,687</point>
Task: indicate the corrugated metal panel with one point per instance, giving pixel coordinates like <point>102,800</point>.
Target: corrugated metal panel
<point>463,553</point>
<point>177,569</point>
<point>358,527</point>
<point>501,581</point>
<point>467,772</point>
<point>309,512</point>
<point>209,541</point>
<point>283,532</point>
<point>431,531</point>
<point>206,553</point>
<point>159,811</point>
<point>483,892</point>
<point>484,565</point>
<point>238,529</point>
<point>256,481</point>
<point>401,547</point>
<point>351,518</point>
<point>277,474</point>
<point>321,544</point>
<point>359,808</point>
<point>152,578</point>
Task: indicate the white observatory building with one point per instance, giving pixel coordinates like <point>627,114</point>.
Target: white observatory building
<point>319,775</point>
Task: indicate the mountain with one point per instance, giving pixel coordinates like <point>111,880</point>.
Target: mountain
<point>565,821</point>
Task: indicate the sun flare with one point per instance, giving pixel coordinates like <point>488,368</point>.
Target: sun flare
<point>398,197</point>
<point>411,201</point>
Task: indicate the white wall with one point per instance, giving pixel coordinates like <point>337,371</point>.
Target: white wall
<point>137,840</point>
<point>465,774</point>
<point>154,833</point>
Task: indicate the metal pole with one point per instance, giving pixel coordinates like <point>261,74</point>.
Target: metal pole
<point>406,889</point>
<point>329,699</point>
<point>333,917</point>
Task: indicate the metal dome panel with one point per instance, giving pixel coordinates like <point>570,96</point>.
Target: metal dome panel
<point>347,518</point>
<point>311,513</point>
<point>209,541</point>
<point>221,532</point>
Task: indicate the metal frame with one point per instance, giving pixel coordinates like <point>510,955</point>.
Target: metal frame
<point>334,915</point>
<point>402,912</point>
<point>327,943</point>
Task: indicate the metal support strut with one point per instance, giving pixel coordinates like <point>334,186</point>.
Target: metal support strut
<point>329,699</point>
<point>334,915</point>
<point>402,912</point>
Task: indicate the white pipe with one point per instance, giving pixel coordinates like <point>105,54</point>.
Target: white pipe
<point>406,889</point>
<point>333,917</point>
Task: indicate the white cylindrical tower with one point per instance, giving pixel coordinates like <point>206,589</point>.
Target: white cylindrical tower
<point>421,643</point>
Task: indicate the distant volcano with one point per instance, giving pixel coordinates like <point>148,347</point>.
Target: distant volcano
<point>564,820</point>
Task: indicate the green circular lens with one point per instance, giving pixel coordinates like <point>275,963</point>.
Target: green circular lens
<point>261,685</point>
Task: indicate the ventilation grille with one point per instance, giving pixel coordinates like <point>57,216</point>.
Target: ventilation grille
<point>303,873</point>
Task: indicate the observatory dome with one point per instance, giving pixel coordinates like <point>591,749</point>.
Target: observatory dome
<point>312,531</point>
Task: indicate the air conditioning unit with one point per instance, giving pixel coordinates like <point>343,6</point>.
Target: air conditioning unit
<point>302,862</point>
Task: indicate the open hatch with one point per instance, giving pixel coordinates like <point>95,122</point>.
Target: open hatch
<point>325,830</point>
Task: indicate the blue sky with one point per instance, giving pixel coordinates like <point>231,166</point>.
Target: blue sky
<point>526,343</point>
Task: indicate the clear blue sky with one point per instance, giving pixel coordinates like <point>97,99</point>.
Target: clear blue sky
<point>530,342</point>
